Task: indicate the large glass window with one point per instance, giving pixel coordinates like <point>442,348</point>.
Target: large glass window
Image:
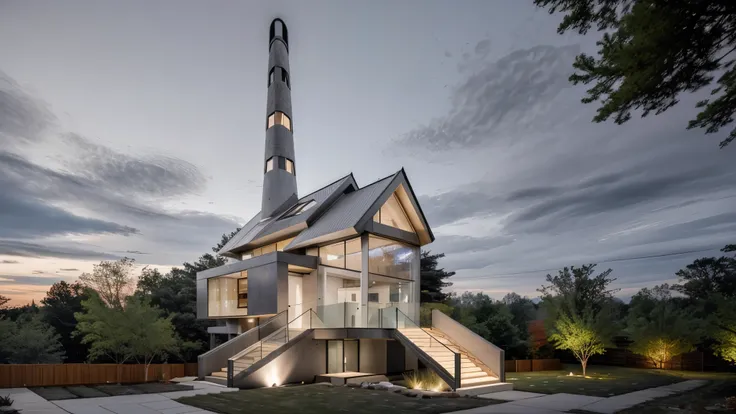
<point>289,166</point>
<point>269,248</point>
<point>333,255</point>
<point>269,164</point>
<point>222,297</point>
<point>389,258</point>
<point>279,118</point>
<point>392,214</point>
<point>344,254</point>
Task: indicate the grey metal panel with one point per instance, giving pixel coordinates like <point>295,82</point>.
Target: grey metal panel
<point>288,258</point>
<point>356,333</point>
<point>278,55</point>
<point>202,309</point>
<point>394,233</point>
<point>345,213</point>
<point>278,187</point>
<point>279,99</point>
<point>263,289</point>
<point>279,141</point>
<point>235,240</point>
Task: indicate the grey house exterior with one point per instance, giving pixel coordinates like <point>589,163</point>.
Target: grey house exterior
<point>327,285</point>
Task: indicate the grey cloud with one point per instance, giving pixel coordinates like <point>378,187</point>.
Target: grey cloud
<point>25,249</point>
<point>22,117</point>
<point>135,252</point>
<point>452,243</point>
<point>34,280</point>
<point>151,175</point>
<point>9,262</point>
<point>69,270</point>
<point>508,93</point>
<point>483,47</point>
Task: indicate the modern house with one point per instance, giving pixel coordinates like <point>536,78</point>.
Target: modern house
<point>326,286</point>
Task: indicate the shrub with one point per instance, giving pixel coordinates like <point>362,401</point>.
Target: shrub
<point>5,401</point>
<point>425,380</point>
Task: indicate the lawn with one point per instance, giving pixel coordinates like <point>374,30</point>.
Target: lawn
<point>601,381</point>
<point>700,400</point>
<point>319,399</point>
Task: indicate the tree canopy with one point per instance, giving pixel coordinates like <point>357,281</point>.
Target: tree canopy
<point>433,279</point>
<point>112,280</point>
<point>651,51</point>
<point>62,301</point>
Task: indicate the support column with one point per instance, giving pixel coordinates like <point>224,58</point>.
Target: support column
<point>364,281</point>
<point>416,276</point>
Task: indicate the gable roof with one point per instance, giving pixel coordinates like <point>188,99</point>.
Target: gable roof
<point>341,210</point>
<point>257,228</point>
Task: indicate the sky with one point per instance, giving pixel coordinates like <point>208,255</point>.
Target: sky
<point>136,129</point>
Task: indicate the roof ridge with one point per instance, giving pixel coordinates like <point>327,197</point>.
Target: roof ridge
<point>379,180</point>
<point>334,182</point>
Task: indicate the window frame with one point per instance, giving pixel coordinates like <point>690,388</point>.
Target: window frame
<point>246,293</point>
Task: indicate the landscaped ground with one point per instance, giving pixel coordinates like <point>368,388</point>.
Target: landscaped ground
<point>320,399</point>
<point>602,381</point>
<point>105,390</point>
<point>710,398</point>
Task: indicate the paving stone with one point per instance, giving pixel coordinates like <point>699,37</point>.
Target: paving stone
<point>184,409</point>
<point>506,408</point>
<point>559,402</point>
<point>511,395</point>
<point>129,409</point>
<point>160,405</point>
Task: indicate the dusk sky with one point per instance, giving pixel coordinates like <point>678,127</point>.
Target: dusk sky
<point>137,129</point>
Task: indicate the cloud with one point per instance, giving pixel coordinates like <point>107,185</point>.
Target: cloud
<point>69,270</point>
<point>4,279</point>
<point>22,117</point>
<point>34,280</point>
<point>25,249</point>
<point>135,252</point>
<point>9,262</point>
<point>507,94</point>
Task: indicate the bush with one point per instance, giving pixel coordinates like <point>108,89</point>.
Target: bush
<point>425,380</point>
<point>5,401</point>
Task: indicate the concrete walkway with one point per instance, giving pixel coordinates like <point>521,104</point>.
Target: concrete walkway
<point>31,403</point>
<point>530,402</point>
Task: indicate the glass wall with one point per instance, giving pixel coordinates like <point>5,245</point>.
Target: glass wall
<point>389,258</point>
<point>223,296</point>
<point>269,248</point>
<point>344,254</point>
<point>384,295</point>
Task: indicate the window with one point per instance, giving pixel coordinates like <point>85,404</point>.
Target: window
<point>344,254</point>
<point>299,209</point>
<point>389,258</point>
<point>333,255</point>
<point>271,76</point>
<point>289,166</point>
<point>285,78</point>
<point>269,248</point>
<point>269,164</point>
<point>392,214</point>
<point>279,118</point>
<point>373,297</point>
<point>243,291</point>
<point>283,243</point>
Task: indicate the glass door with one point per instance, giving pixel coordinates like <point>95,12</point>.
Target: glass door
<point>335,356</point>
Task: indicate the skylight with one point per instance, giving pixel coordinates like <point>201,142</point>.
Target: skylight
<point>300,208</point>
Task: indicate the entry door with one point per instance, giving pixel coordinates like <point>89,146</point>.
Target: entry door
<point>335,356</point>
<point>351,355</point>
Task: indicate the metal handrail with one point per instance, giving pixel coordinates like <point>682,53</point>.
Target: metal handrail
<point>260,338</point>
<point>456,355</point>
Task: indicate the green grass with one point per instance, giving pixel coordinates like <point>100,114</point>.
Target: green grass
<point>602,381</point>
<point>324,399</point>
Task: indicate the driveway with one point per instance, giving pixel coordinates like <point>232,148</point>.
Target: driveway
<point>31,403</point>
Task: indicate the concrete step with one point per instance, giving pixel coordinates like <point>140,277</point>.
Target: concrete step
<point>216,380</point>
<point>219,374</point>
<point>478,381</point>
<point>485,389</point>
<point>477,374</point>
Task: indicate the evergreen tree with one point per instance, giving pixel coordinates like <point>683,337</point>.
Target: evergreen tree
<point>433,280</point>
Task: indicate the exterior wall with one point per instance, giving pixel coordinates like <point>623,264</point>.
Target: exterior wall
<point>373,356</point>
<point>301,362</point>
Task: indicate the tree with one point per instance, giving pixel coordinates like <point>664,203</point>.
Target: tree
<point>724,324</point>
<point>154,335</point>
<point>62,301</point>
<point>107,331</point>
<point>579,309</point>
<point>660,327</point>
<point>575,290</point>
<point>584,335</point>
<point>707,276</point>
<point>30,341</point>
<point>3,301</point>
<point>432,278</point>
<point>112,281</point>
<point>175,293</point>
<point>651,51</point>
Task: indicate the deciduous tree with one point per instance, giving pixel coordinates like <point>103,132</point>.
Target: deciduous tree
<point>62,301</point>
<point>155,336</point>
<point>660,327</point>
<point>30,341</point>
<point>584,335</point>
<point>652,51</point>
<point>112,280</point>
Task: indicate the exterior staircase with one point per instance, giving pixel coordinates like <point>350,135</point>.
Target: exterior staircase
<point>431,341</point>
<point>255,353</point>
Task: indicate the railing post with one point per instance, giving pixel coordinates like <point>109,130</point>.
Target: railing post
<point>396,311</point>
<point>230,369</point>
<point>457,371</point>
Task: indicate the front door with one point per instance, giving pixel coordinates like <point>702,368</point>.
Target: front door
<point>343,355</point>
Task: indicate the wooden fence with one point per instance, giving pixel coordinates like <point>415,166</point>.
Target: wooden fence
<point>46,375</point>
<point>529,365</point>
